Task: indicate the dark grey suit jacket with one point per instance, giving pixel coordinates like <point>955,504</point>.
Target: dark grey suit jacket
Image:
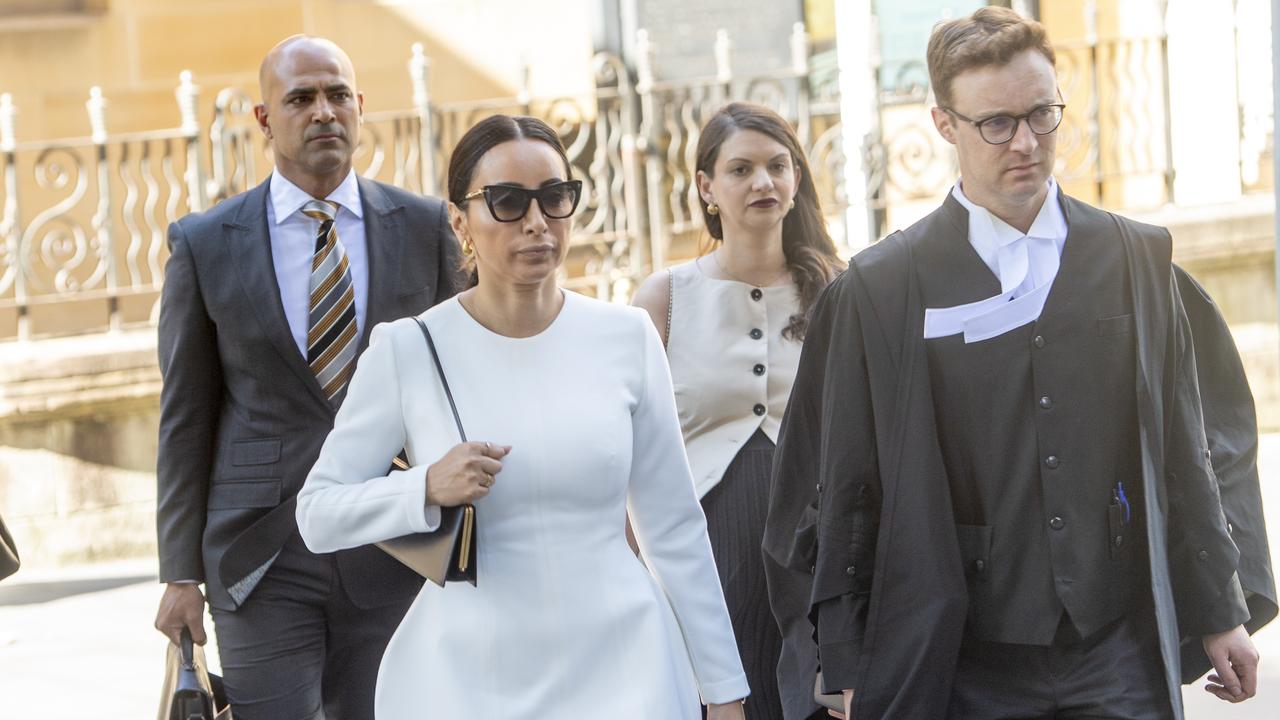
<point>242,418</point>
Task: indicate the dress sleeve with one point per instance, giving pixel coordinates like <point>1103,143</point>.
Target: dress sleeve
<point>672,531</point>
<point>349,498</point>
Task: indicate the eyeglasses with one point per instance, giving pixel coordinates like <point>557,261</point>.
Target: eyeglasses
<point>1000,129</point>
<point>509,203</point>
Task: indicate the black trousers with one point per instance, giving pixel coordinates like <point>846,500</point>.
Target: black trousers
<point>298,649</point>
<point>1114,673</point>
<point>736,511</point>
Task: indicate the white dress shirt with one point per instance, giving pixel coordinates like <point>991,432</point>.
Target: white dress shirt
<point>1025,263</point>
<point>293,245</point>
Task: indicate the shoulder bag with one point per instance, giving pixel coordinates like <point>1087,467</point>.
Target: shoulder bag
<point>449,552</point>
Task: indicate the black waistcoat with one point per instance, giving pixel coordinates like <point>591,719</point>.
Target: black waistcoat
<point>1038,430</point>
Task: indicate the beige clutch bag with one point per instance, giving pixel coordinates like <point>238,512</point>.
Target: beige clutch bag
<point>449,552</point>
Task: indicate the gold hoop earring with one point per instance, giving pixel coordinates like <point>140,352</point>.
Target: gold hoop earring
<point>713,209</point>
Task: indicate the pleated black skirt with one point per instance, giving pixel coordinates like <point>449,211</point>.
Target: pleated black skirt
<point>736,509</point>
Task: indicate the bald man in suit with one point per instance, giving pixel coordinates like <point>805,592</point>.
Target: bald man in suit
<point>268,300</point>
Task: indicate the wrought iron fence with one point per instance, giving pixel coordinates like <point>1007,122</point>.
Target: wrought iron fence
<point>1113,145</point>
<point>673,114</point>
<point>82,220</point>
<point>91,254</point>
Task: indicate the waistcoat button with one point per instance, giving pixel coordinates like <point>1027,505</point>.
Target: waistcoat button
<point>1039,341</point>
<point>1051,462</point>
<point>1056,522</point>
<point>1046,402</point>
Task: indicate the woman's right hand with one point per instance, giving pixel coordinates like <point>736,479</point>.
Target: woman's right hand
<point>465,473</point>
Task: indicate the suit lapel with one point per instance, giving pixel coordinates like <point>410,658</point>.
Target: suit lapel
<point>384,241</point>
<point>249,247</point>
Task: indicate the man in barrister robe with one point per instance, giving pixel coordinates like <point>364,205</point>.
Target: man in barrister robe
<point>1016,478</point>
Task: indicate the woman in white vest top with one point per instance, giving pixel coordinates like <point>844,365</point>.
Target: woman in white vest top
<point>733,321</point>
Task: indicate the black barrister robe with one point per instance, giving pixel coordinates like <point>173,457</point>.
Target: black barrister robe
<point>860,507</point>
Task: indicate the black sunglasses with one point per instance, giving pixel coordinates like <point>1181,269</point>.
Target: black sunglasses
<point>1000,129</point>
<point>509,203</point>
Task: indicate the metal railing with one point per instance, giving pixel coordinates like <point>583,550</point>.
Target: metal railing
<point>82,220</point>
<point>94,245</point>
<point>91,257</point>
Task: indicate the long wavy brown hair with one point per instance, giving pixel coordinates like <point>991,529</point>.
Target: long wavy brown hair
<point>810,252</point>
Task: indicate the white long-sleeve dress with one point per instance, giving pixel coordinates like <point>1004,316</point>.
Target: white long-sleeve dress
<point>565,621</point>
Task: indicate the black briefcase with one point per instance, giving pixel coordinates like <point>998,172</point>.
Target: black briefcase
<point>190,692</point>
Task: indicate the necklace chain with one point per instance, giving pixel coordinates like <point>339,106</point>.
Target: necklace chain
<point>772,281</point>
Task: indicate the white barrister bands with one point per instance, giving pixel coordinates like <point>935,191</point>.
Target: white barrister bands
<point>1026,265</point>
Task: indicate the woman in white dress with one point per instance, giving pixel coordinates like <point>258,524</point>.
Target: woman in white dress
<point>570,406</point>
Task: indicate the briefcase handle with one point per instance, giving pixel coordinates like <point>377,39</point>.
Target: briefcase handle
<point>187,646</point>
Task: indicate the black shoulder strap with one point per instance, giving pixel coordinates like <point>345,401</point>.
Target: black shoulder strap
<point>443,381</point>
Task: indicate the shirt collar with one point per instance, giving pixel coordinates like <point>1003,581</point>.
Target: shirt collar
<point>287,198</point>
<point>1050,223</point>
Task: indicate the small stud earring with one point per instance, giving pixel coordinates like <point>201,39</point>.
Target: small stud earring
<point>713,209</point>
<point>792,206</point>
<point>467,248</point>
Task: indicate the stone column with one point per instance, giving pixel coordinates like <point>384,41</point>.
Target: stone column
<point>855,54</point>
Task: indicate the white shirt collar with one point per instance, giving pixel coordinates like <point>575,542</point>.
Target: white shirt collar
<point>1026,266</point>
<point>287,198</point>
<point>1050,223</point>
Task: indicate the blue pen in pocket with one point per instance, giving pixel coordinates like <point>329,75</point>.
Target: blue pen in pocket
<point>1122,500</point>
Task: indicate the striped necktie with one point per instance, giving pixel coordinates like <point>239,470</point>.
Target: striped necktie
<point>331,332</point>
